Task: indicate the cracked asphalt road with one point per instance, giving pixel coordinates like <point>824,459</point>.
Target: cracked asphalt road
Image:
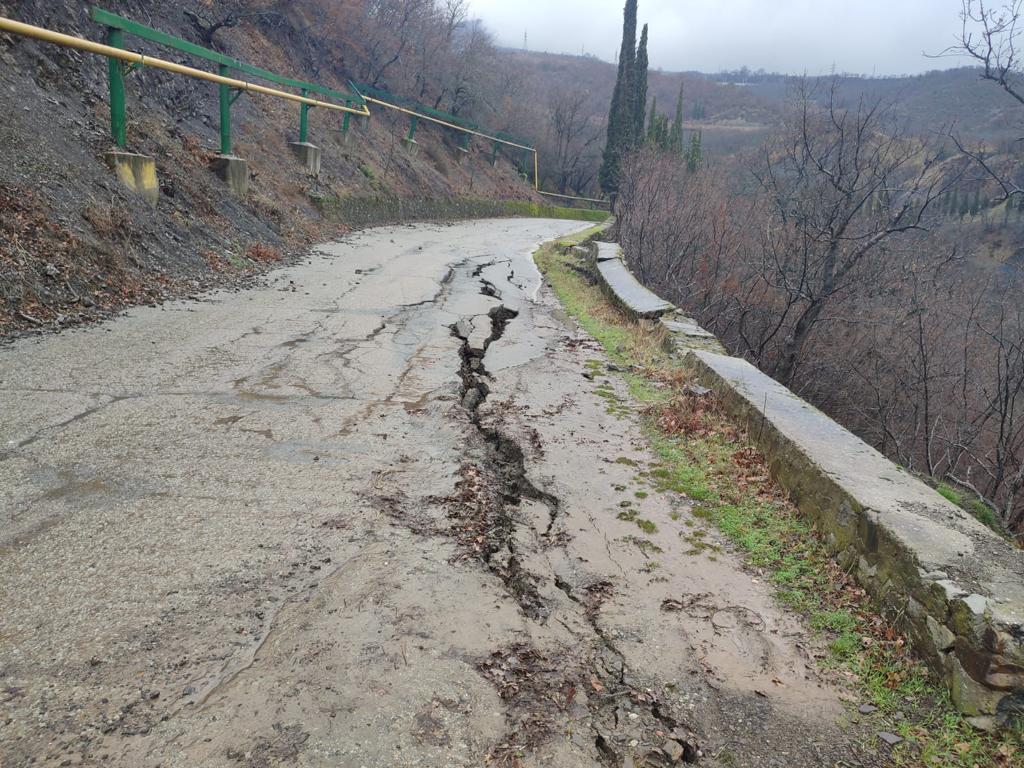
<point>368,515</point>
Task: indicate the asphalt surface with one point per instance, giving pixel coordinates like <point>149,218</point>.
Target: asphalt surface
<point>370,514</point>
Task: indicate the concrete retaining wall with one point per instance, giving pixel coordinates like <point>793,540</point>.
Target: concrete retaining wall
<point>622,288</point>
<point>951,584</point>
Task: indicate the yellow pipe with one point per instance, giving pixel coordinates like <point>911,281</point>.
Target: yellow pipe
<point>68,41</point>
<point>448,125</point>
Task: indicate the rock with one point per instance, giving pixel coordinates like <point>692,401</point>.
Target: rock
<point>1010,711</point>
<point>1005,678</point>
<point>463,329</point>
<point>51,270</point>
<point>697,390</point>
<point>865,570</point>
<point>952,590</point>
<point>977,604</point>
<point>969,696</point>
<point>867,709</point>
<point>890,738</point>
<point>674,750</point>
<point>914,608</point>
<point>471,399</point>
<point>943,638</point>
<point>982,723</point>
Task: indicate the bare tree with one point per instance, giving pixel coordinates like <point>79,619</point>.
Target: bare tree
<point>840,185</point>
<point>574,135</point>
<point>228,15</point>
<point>989,36</point>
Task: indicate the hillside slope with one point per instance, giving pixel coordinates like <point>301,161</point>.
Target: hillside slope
<point>74,243</point>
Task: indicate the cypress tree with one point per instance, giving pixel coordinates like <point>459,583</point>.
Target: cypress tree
<point>620,115</point>
<point>640,88</point>
<point>662,133</point>
<point>653,122</point>
<point>675,137</point>
<point>693,156</point>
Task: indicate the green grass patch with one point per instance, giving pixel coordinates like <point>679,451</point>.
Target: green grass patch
<point>387,208</point>
<point>975,506</point>
<point>581,237</point>
<point>646,546</point>
<point>534,210</point>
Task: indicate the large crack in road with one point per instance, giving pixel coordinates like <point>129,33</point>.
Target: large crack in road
<point>384,521</point>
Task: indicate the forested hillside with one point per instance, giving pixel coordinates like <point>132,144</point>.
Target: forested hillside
<point>865,253</point>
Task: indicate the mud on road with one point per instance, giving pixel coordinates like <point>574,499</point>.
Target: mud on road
<point>371,514</point>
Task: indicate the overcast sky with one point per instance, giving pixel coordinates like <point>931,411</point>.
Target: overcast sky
<point>792,36</point>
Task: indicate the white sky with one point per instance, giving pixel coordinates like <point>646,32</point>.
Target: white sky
<point>792,36</point>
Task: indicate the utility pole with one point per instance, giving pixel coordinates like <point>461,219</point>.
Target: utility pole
<point>526,47</point>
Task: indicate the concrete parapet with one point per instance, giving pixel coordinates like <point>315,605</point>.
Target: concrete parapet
<point>608,251</point>
<point>955,587</point>
<point>137,172</point>
<point>682,334</point>
<point>234,171</point>
<point>308,154</point>
<point>626,291</point>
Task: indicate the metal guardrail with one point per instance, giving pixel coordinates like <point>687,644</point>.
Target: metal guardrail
<point>574,197</point>
<point>417,112</point>
<point>438,115</point>
<point>117,26</point>
<point>113,21</point>
<point>123,61</point>
<point>119,56</point>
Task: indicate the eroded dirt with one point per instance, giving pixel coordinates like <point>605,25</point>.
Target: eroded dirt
<point>372,514</point>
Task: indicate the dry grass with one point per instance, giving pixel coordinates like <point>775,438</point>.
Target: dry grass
<point>261,253</point>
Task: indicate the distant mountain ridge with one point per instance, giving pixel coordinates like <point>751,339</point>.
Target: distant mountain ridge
<point>728,104</point>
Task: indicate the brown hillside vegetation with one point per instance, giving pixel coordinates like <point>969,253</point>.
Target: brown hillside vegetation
<point>74,243</point>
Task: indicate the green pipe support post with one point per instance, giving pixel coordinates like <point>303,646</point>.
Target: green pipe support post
<point>118,117</point>
<point>495,153</point>
<point>304,119</point>
<point>465,141</point>
<point>347,119</point>
<point>413,122</point>
<point>225,112</point>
